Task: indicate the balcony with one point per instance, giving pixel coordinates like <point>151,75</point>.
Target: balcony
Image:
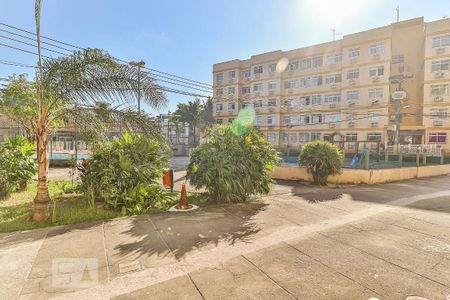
<point>373,124</point>
<point>351,124</point>
<point>438,123</point>
<point>438,99</point>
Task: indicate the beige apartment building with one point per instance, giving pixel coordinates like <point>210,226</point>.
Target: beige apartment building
<point>342,90</point>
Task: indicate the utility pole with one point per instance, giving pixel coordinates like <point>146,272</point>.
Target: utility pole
<point>168,126</point>
<point>398,13</point>
<point>333,30</point>
<point>139,65</point>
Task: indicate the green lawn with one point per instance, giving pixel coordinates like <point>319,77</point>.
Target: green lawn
<point>16,211</point>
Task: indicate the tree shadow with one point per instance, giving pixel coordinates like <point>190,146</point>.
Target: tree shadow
<point>180,233</point>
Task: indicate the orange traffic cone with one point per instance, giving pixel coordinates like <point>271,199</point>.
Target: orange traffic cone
<point>183,199</point>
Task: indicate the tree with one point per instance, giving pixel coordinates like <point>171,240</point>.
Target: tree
<point>66,90</point>
<point>321,158</point>
<point>178,125</point>
<point>232,166</point>
<point>191,114</point>
<point>207,115</point>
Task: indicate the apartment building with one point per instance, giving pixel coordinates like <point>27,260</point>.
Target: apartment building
<point>341,90</point>
<point>176,136</point>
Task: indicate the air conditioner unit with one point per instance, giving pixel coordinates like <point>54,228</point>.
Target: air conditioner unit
<point>351,103</point>
<point>373,124</point>
<point>440,50</point>
<point>439,74</point>
<point>375,79</point>
<point>438,99</point>
<point>351,124</point>
<point>438,123</point>
<point>352,82</point>
<point>332,125</point>
<point>374,101</point>
<point>290,91</point>
<point>257,110</point>
<point>257,76</point>
<point>230,80</point>
<point>218,113</point>
<point>332,86</point>
<point>256,94</point>
<point>219,82</point>
<point>271,93</point>
<point>271,109</point>
<point>333,105</point>
<point>246,78</point>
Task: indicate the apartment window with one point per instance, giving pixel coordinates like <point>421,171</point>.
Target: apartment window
<point>289,102</point>
<point>315,136</point>
<point>440,65</point>
<point>257,120</point>
<point>351,116</point>
<point>332,118</point>
<point>258,103</point>
<point>352,95</point>
<point>305,63</point>
<point>316,80</point>
<point>376,49</point>
<point>287,120</point>
<point>272,85</point>
<point>231,106</point>
<point>372,115</point>
<point>231,90</point>
<point>397,59</point>
<point>245,90</point>
<point>375,93</point>
<point>303,119</point>
<point>290,138</point>
<point>316,99</point>
<point>376,71</point>
<point>334,78</point>
<point>316,118</point>
<point>257,70</point>
<point>353,74</point>
<point>272,102</point>
<point>437,137</point>
<point>272,137</point>
<point>257,87</point>
<point>303,137</point>
<point>374,137</point>
<point>439,90</point>
<point>230,120</point>
<point>334,59</point>
<point>271,120</point>
<point>440,113</point>
<point>272,68</point>
<point>246,74</point>
<point>219,121</point>
<point>293,66</point>
<point>219,92</point>
<point>231,75</point>
<point>305,82</point>
<point>246,104</point>
<point>353,52</point>
<point>351,137</point>
<point>219,106</point>
<point>219,77</point>
<point>317,61</point>
<point>291,84</point>
<point>304,100</point>
<point>333,98</point>
<point>441,41</point>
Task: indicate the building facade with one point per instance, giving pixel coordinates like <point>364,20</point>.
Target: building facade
<point>176,136</point>
<point>341,90</point>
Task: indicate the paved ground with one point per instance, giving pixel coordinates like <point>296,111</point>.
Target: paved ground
<point>301,242</point>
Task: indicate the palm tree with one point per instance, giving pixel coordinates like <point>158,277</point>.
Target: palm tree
<point>191,114</point>
<point>67,90</point>
<point>178,125</point>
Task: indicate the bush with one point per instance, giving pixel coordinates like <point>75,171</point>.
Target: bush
<point>124,174</point>
<point>232,166</point>
<point>321,158</point>
<point>17,164</point>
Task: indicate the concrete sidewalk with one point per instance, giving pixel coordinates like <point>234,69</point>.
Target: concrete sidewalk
<point>302,242</point>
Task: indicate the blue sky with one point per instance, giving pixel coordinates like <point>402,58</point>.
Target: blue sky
<point>187,37</point>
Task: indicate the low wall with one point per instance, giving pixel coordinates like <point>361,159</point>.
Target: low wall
<point>353,176</point>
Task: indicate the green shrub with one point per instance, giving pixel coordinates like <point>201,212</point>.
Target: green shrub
<point>321,158</point>
<point>124,174</point>
<point>233,164</point>
<point>17,164</point>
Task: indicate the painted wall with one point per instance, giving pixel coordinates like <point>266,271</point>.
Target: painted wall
<point>350,176</point>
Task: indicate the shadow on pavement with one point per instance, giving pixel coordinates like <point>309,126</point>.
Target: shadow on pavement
<point>181,233</point>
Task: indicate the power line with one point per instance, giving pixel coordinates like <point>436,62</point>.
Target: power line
<point>205,85</point>
<point>32,45</point>
<point>16,64</point>
<point>23,50</point>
